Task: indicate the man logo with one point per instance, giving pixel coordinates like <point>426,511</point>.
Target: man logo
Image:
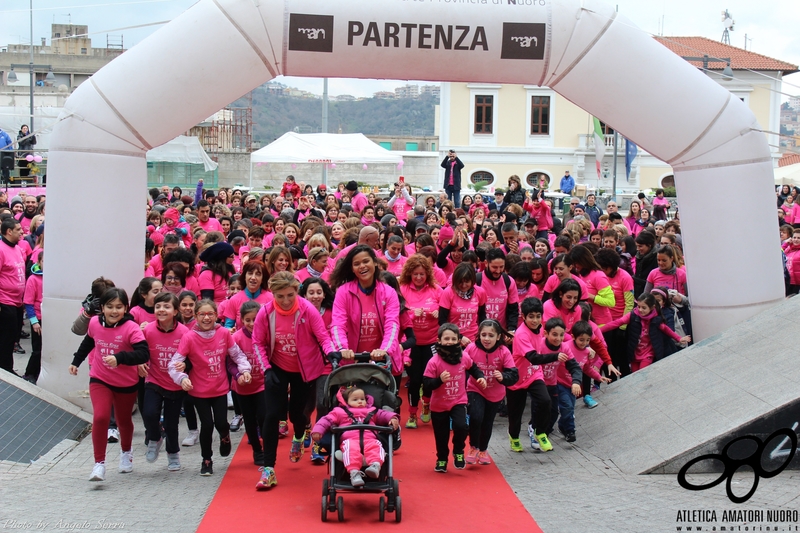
<point>310,33</point>
<point>521,40</point>
<point>525,42</point>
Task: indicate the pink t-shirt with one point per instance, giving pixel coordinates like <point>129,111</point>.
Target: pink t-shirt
<point>233,308</point>
<point>526,341</point>
<point>244,340</point>
<point>589,366</point>
<point>208,281</point>
<point>595,282</point>
<point>500,359</point>
<point>208,374</point>
<point>454,391</point>
<point>553,282</point>
<point>285,353</point>
<point>212,224</point>
<point>33,294</point>
<point>498,298</point>
<point>426,325</point>
<point>441,277</point>
<point>676,281</point>
<point>569,317</point>
<point>110,341</point>
<point>163,346</point>
<point>371,329</point>
<point>621,283</point>
<point>531,292</point>
<point>464,313</point>
<point>141,315</point>
<point>396,267</point>
<point>550,370</point>
<point>12,275</point>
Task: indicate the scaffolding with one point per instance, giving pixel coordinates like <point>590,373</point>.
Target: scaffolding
<point>228,130</point>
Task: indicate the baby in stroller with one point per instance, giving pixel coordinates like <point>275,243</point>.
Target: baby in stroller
<point>356,407</point>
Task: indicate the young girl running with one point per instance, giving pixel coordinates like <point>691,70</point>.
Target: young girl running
<point>446,378</point>
<point>599,292</point>
<point>494,359</point>
<point>115,346</point>
<point>252,400</point>
<point>646,332</point>
<point>463,303</point>
<point>143,301</point>
<point>206,346</point>
<point>187,301</point>
<point>163,337</point>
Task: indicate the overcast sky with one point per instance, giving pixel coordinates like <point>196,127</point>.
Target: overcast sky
<point>771,24</point>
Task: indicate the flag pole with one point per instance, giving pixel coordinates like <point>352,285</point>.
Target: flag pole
<point>614,182</point>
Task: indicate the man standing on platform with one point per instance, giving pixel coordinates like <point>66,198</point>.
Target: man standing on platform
<point>452,166</point>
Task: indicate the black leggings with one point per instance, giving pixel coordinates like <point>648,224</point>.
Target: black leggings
<point>213,413</point>
<point>441,430</point>
<point>151,414</point>
<point>420,355</point>
<point>481,419</point>
<point>190,413</point>
<point>35,362</point>
<point>254,407</point>
<point>276,410</point>
<point>540,407</point>
<point>617,343</point>
<point>316,399</point>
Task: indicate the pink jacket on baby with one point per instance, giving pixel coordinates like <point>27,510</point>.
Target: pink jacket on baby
<point>338,417</point>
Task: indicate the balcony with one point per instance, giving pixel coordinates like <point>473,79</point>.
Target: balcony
<point>587,141</point>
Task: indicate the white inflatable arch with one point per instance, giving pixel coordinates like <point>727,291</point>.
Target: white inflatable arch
<point>220,49</point>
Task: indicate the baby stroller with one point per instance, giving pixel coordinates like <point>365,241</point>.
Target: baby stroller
<point>377,381</point>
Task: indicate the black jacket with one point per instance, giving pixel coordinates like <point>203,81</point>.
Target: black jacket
<point>456,173</point>
<point>27,144</point>
<point>515,197</point>
<point>644,265</point>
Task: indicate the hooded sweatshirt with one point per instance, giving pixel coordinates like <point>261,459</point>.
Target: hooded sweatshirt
<point>338,417</point>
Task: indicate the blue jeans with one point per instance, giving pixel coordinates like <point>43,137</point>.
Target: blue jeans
<point>566,408</point>
<point>453,195</point>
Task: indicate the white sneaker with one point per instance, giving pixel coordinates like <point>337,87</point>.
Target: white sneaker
<point>230,401</point>
<point>192,438</point>
<point>98,472</point>
<point>113,435</point>
<point>126,462</point>
<point>173,462</point>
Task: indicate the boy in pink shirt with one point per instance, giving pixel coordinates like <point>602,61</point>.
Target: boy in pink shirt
<point>570,375</point>
<point>446,378</point>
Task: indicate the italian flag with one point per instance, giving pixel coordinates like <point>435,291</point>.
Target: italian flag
<point>599,144</point>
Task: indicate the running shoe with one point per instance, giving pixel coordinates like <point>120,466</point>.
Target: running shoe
<point>441,466</point>
<point>113,435</point>
<point>411,423</point>
<point>98,472</point>
<point>426,413</point>
<point>236,422</point>
<point>307,438</point>
<point>484,459</point>
<point>153,449</point>
<point>283,429</point>
<point>126,462</point>
<point>207,468</point>
<point>297,450</point>
<point>316,457</point>
<point>192,438</point>
<point>458,461</point>
<point>268,478</point>
<point>589,402</point>
<point>544,443</point>
<point>472,455</point>
<point>532,435</point>
<point>225,446</point>
<point>173,462</point>
<point>515,444</point>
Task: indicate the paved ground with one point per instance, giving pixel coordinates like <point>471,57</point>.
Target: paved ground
<point>566,490</point>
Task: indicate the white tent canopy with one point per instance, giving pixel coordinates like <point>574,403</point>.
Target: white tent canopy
<point>182,149</point>
<point>323,148</point>
<point>788,175</point>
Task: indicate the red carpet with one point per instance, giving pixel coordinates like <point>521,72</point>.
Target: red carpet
<point>459,500</point>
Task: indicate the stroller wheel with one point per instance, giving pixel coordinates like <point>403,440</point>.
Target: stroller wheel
<point>324,487</point>
<point>382,509</point>
<point>398,510</point>
<point>396,486</point>
<point>340,508</point>
<point>324,508</point>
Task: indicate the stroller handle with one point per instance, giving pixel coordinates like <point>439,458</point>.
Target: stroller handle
<point>361,427</point>
<point>359,357</point>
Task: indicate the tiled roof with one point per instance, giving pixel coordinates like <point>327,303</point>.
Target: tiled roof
<point>789,158</point>
<point>740,59</point>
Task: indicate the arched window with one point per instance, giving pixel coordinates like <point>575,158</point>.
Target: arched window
<point>538,180</point>
<point>482,177</point>
<point>668,181</point>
